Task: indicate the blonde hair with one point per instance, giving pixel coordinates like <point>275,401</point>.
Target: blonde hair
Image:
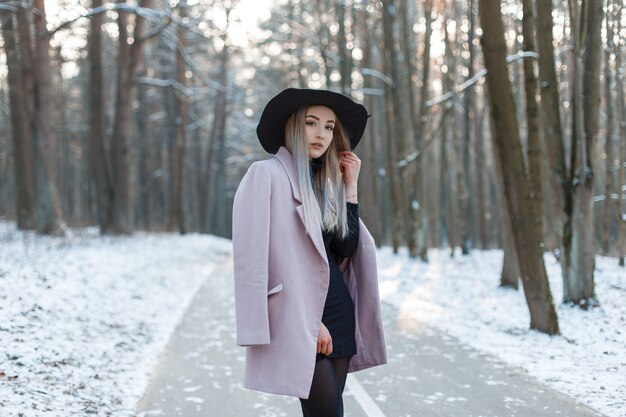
<point>323,195</point>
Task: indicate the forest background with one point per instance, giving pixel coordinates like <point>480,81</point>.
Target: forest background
<point>495,124</point>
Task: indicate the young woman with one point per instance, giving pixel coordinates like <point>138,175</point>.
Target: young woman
<point>306,286</point>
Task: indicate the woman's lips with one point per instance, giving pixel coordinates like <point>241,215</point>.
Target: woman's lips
<point>317,146</point>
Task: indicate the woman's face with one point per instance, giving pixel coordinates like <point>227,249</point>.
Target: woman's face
<point>319,126</point>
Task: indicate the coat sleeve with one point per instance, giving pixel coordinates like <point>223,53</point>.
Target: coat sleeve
<point>251,234</point>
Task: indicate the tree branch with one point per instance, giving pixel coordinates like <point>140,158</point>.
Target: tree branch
<point>458,90</point>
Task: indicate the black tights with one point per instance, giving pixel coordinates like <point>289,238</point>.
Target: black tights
<point>325,398</point>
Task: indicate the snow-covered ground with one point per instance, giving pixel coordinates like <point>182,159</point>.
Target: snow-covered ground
<point>461,296</point>
<point>84,318</point>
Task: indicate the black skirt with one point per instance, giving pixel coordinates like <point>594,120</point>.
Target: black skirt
<point>338,316</point>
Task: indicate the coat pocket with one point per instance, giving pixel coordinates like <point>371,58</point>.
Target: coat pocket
<point>275,289</point>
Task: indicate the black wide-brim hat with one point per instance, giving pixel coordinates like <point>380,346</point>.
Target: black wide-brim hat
<point>271,128</point>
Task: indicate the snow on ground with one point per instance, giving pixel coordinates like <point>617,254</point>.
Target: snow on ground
<point>84,318</point>
<point>462,296</point>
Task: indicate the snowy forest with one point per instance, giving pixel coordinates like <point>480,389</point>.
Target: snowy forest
<point>494,125</point>
<point>141,116</point>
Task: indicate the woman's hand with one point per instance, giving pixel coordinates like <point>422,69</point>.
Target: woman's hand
<point>324,341</point>
<point>350,165</point>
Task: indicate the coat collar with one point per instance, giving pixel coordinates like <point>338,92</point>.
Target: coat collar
<point>284,157</point>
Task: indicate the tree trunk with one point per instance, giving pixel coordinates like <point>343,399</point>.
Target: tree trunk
<point>418,219</point>
<point>510,274</point>
<point>371,203</point>
<point>578,256</point>
<point>198,157</point>
<point>395,128</point>
<point>343,51</point>
<point>122,207</point>
<point>127,61</point>
<point>323,34</point>
<point>207,180</point>
<point>20,130</point>
<point>457,145</point>
<point>510,269</point>
<point>520,204</point>
<point>27,65</point>
<point>621,176</point>
<point>147,147</point>
<point>406,86</point>
<point>99,161</point>
<point>553,137</point>
<point>49,216</point>
<point>466,214</point>
<point>448,155</point>
<point>612,148</point>
<point>532,113</point>
<point>482,182</point>
<point>218,140</point>
<point>176,218</point>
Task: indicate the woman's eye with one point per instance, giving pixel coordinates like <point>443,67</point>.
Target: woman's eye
<point>310,123</point>
<point>330,127</point>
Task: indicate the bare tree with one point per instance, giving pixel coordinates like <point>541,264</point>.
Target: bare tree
<point>475,115</point>
<point>578,257</point>
<point>218,139</point>
<point>49,216</point>
<point>612,146</point>
<point>176,217</point>
<point>323,37</point>
<point>25,35</point>
<point>447,149</point>
<point>519,201</point>
<point>463,177</point>
<point>459,157</point>
<point>21,130</point>
<point>371,205</point>
<point>553,136</point>
<point>345,59</point>
<point>146,149</point>
<point>532,112</point>
<point>621,111</point>
<point>99,159</point>
<point>127,61</point>
<point>396,126</point>
<point>510,274</point>
<point>621,157</point>
<point>418,220</point>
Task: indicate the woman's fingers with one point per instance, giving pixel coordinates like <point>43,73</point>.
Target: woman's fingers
<point>350,165</point>
<point>350,157</point>
<point>324,341</point>
<point>325,347</point>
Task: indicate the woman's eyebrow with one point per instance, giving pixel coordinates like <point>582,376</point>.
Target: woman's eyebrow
<point>317,118</point>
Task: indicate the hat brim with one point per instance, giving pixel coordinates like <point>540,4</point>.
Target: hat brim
<point>271,128</point>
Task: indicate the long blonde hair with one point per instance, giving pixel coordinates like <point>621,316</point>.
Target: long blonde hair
<point>322,195</point>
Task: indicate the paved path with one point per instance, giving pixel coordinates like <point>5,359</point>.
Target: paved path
<point>429,374</point>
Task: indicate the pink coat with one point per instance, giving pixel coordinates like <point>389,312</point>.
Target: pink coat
<point>281,281</point>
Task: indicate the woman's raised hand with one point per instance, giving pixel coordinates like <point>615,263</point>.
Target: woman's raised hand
<point>350,165</point>
<point>324,341</point>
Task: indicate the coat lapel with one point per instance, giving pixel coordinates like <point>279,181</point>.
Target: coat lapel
<point>284,156</point>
